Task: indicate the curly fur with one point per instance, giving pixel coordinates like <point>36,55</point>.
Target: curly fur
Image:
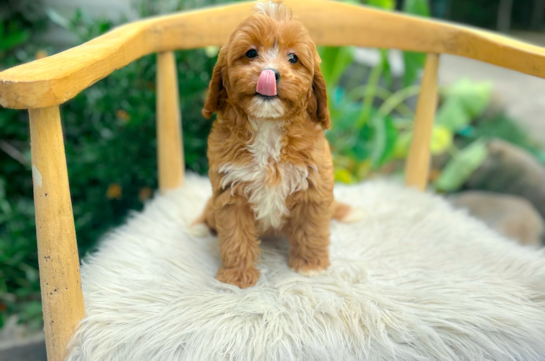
<point>270,164</point>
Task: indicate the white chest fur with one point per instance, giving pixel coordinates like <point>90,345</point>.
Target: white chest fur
<point>268,200</point>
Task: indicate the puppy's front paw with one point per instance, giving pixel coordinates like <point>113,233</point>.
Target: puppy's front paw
<point>308,267</point>
<point>237,277</point>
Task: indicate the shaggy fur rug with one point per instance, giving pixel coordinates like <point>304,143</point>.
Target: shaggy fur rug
<point>415,280</point>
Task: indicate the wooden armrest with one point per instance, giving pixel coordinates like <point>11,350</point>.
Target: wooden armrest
<point>58,78</point>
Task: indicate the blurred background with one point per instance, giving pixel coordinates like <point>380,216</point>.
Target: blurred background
<point>487,144</point>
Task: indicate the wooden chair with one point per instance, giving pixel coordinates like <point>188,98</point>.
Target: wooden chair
<point>41,86</point>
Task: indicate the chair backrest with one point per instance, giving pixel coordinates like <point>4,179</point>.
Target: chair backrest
<point>41,86</point>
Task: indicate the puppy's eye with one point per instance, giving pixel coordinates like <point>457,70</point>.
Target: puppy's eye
<point>292,58</point>
<point>252,53</point>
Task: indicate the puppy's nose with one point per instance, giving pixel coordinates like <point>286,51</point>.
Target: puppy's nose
<point>276,74</point>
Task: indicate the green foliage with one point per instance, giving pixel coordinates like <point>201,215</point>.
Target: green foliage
<point>12,36</point>
<point>383,143</point>
<point>119,127</point>
<point>461,166</point>
<point>372,125</point>
<point>414,62</point>
<point>416,7</point>
<point>110,148</point>
<point>365,137</point>
<point>464,101</point>
<point>335,61</point>
<point>383,4</point>
<point>14,23</point>
<point>19,284</point>
<point>502,127</point>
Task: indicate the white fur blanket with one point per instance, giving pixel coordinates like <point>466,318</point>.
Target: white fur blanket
<point>415,280</point>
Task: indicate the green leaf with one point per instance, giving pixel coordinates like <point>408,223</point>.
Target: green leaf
<point>362,149</point>
<point>417,7</point>
<point>335,61</point>
<point>403,142</point>
<point>503,127</point>
<point>463,102</point>
<point>386,70</point>
<point>14,39</point>
<point>461,166</point>
<point>343,176</point>
<point>383,4</point>
<point>344,112</point>
<point>343,162</point>
<point>2,188</point>
<point>441,139</point>
<point>384,139</point>
<point>58,19</point>
<point>362,170</point>
<point>453,115</point>
<point>413,63</point>
<point>329,56</point>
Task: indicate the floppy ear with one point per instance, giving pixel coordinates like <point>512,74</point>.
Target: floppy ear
<point>217,94</point>
<point>317,104</point>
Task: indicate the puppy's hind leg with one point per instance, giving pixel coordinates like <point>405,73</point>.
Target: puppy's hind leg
<point>345,213</point>
<point>205,224</point>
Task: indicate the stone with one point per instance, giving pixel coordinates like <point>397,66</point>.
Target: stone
<point>18,343</point>
<point>513,216</point>
<point>512,170</point>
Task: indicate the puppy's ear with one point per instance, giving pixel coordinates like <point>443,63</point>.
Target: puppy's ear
<point>317,103</point>
<point>217,94</point>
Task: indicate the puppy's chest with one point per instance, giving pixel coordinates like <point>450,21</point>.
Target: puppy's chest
<point>267,179</point>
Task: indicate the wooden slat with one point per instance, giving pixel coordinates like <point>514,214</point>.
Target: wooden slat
<point>169,134</point>
<point>418,162</point>
<point>62,298</point>
<point>54,80</point>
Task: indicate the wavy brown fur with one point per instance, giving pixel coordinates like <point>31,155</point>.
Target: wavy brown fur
<point>302,105</point>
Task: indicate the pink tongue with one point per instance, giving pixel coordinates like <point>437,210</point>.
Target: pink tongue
<point>266,84</point>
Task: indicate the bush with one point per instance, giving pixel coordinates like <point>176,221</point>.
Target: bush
<point>110,146</point>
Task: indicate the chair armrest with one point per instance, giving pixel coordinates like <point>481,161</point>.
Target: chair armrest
<point>55,79</point>
<point>58,78</point>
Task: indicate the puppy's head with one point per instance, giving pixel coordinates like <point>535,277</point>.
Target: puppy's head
<point>269,69</point>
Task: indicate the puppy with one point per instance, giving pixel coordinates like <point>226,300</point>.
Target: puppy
<point>270,164</point>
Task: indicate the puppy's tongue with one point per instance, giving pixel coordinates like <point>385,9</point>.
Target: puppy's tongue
<point>266,84</point>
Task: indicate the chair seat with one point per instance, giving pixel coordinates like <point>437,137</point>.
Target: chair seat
<point>414,280</point>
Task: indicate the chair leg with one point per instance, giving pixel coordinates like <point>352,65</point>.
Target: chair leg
<point>170,154</point>
<point>62,297</point>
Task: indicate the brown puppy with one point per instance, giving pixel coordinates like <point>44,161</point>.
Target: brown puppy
<point>270,163</point>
